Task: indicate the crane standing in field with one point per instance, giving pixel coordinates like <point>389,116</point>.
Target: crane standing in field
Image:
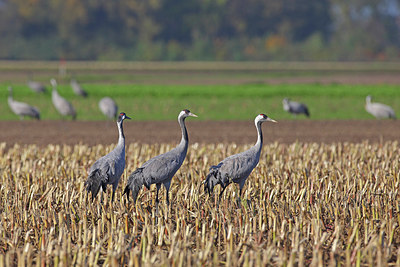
<point>238,167</point>
<point>109,168</point>
<point>108,107</point>
<point>379,110</point>
<point>160,169</point>
<point>295,107</point>
<point>36,86</point>
<point>77,88</point>
<point>22,109</point>
<point>62,105</point>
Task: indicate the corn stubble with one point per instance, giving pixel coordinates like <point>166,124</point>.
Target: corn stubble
<point>304,204</point>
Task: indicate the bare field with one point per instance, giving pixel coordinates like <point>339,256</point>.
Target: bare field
<point>43,133</point>
<point>304,204</point>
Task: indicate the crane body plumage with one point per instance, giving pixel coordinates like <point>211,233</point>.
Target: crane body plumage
<point>109,168</point>
<point>238,167</point>
<point>108,106</point>
<point>22,109</point>
<point>379,110</point>
<point>160,169</point>
<point>36,86</point>
<point>295,107</point>
<point>63,106</point>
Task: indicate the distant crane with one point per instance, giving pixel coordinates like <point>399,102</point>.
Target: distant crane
<point>160,169</point>
<point>108,107</point>
<point>63,106</point>
<point>22,109</point>
<point>379,110</point>
<point>36,86</point>
<point>77,88</point>
<point>295,107</point>
<point>109,168</point>
<point>238,167</point>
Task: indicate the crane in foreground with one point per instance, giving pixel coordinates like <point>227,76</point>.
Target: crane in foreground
<point>238,167</point>
<point>108,107</point>
<point>22,109</point>
<point>36,86</point>
<point>77,88</point>
<point>109,168</point>
<point>63,106</point>
<point>295,107</point>
<point>379,110</point>
<point>160,169</point>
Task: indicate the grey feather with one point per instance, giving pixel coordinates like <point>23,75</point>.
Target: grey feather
<point>63,106</point>
<point>108,107</point>
<point>22,109</point>
<point>160,169</point>
<point>109,168</point>
<point>238,167</point>
<point>295,107</point>
<point>379,110</point>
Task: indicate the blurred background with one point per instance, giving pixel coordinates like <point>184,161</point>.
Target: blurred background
<point>315,66</point>
<point>223,59</point>
<point>143,30</point>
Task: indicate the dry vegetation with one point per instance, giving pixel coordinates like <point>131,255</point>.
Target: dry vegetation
<point>304,204</point>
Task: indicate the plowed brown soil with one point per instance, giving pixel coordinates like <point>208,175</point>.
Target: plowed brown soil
<point>241,132</point>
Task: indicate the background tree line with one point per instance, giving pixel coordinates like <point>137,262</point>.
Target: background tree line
<point>200,29</point>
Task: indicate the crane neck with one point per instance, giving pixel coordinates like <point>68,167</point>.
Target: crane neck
<point>121,138</point>
<point>185,138</point>
<point>259,134</point>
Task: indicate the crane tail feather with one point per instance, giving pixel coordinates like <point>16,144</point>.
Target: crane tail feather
<point>93,183</point>
<point>135,182</point>
<point>213,178</point>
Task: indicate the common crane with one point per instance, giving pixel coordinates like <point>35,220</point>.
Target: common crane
<point>62,105</point>
<point>238,167</point>
<point>109,168</point>
<point>77,88</point>
<point>295,107</point>
<point>108,107</point>
<point>160,169</point>
<point>379,110</point>
<point>36,86</point>
<point>22,109</point>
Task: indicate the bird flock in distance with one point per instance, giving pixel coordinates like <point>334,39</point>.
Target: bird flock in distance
<point>106,105</point>
<point>110,109</point>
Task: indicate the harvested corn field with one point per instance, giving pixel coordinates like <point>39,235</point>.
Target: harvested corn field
<point>305,203</point>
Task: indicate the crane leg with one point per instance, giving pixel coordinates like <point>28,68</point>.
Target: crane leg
<point>114,188</point>
<point>157,200</point>
<point>167,197</point>
<point>220,194</point>
<point>158,188</point>
<point>167,185</point>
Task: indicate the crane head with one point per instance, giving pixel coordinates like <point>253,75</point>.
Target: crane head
<point>53,82</point>
<point>186,113</point>
<point>122,116</point>
<point>262,117</point>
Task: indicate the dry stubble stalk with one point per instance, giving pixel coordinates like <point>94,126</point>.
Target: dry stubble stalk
<point>310,204</point>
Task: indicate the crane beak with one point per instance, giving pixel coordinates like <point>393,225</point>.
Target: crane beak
<point>271,120</point>
<point>126,117</point>
<point>192,114</point>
